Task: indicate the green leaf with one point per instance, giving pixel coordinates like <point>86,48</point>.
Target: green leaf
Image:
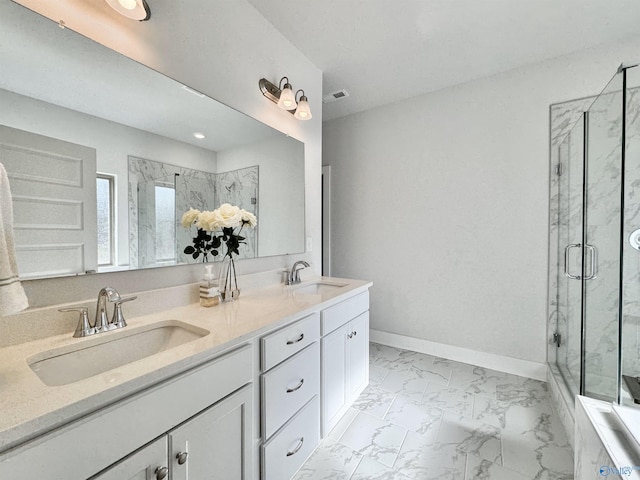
<point>189,250</point>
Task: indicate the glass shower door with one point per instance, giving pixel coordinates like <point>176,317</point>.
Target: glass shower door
<point>569,289</point>
<point>602,266</point>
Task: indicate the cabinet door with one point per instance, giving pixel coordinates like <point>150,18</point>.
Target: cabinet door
<point>358,355</point>
<point>140,465</point>
<point>217,442</point>
<point>334,377</point>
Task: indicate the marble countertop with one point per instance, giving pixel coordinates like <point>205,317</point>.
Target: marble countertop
<point>30,408</point>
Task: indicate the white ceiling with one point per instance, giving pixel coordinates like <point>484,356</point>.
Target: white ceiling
<point>381,51</point>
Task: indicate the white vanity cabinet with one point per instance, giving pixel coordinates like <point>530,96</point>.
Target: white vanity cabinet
<point>196,411</point>
<point>344,356</point>
<point>290,405</point>
<point>214,442</point>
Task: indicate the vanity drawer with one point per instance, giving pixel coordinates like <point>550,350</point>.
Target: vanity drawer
<point>287,387</point>
<point>285,453</point>
<point>338,315</point>
<point>280,345</point>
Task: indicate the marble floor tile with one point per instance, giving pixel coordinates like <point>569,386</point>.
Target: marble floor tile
<point>374,351</point>
<point>422,361</point>
<point>540,452</point>
<point>525,392</point>
<point>470,423</point>
<point>378,439</point>
<point>369,469</point>
<point>330,461</point>
<point>471,437</point>
<point>374,401</point>
<point>342,425</point>
<point>377,374</point>
<point>449,399</point>
<point>424,458</point>
<point>414,415</point>
<point>476,380</point>
<point>394,358</point>
<point>407,383</point>
<point>480,469</point>
<point>433,373</point>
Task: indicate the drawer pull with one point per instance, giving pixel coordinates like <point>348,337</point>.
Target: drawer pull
<point>182,457</point>
<point>298,447</point>
<point>299,339</point>
<point>161,472</point>
<point>297,387</point>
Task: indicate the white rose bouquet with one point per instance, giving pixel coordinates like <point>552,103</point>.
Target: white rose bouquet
<point>225,219</point>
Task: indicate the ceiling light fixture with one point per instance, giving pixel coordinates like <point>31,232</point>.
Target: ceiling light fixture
<point>198,135</point>
<point>133,9</point>
<point>284,97</point>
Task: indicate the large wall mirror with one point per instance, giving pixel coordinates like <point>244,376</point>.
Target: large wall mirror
<point>103,158</point>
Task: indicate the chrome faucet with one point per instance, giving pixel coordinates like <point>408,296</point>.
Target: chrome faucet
<point>294,275</point>
<point>101,323</point>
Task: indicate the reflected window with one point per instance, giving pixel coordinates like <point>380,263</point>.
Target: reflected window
<point>105,194</point>
<point>165,222</point>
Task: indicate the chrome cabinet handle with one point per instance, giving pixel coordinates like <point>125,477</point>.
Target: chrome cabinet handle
<point>567,249</point>
<point>594,262</point>
<point>182,457</point>
<point>298,447</point>
<point>299,339</point>
<point>161,472</point>
<point>297,387</point>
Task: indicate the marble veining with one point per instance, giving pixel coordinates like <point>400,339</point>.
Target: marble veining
<point>468,423</point>
<point>193,189</point>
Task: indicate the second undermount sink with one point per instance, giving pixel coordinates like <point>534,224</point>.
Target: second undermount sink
<point>320,287</point>
<point>100,354</point>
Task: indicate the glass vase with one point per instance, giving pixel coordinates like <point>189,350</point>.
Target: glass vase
<point>227,282</point>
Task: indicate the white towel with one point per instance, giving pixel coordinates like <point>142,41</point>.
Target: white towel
<point>12,296</point>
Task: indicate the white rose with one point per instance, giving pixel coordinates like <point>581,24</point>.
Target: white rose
<point>248,218</point>
<point>229,215</point>
<point>208,221</point>
<point>189,217</point>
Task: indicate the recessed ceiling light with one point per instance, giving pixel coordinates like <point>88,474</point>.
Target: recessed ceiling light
<point>198,135</point>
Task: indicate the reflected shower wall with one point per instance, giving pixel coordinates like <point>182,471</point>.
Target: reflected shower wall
<point>160,193</point>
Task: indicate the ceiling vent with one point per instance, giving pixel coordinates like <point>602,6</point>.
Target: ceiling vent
<point>335,96</point>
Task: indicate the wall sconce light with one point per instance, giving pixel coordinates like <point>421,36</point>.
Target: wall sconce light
<point>133,9</point>
<point>283,96</point>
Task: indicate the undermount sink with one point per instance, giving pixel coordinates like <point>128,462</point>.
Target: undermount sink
<point>318,288</point>
<point>103,353</point>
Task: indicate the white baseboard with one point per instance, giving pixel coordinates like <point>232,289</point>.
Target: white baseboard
<point>515,366</point>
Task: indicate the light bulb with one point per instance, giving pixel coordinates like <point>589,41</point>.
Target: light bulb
<point>303,112</point>
<point>287,99</point>
<point>128,4</point>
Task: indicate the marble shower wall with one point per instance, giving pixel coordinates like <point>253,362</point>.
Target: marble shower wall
<point>603,214</point>
<point>193,189</point>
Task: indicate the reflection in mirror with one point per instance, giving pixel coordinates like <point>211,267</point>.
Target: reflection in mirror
<point>102,157</point>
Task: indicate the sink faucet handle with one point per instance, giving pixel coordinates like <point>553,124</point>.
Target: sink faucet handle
<point>84,328</point>
<point>118,320</point>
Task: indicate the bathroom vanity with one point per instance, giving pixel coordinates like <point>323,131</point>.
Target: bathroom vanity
<point>244,390</point>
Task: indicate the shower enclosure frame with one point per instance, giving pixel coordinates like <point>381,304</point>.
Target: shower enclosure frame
<point>559,254</point>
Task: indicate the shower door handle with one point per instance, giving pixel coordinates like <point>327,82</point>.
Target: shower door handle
<point>567,249</point>
<point>593,254</point>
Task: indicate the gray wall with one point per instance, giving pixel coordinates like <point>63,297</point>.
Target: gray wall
<point>442,201</point>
